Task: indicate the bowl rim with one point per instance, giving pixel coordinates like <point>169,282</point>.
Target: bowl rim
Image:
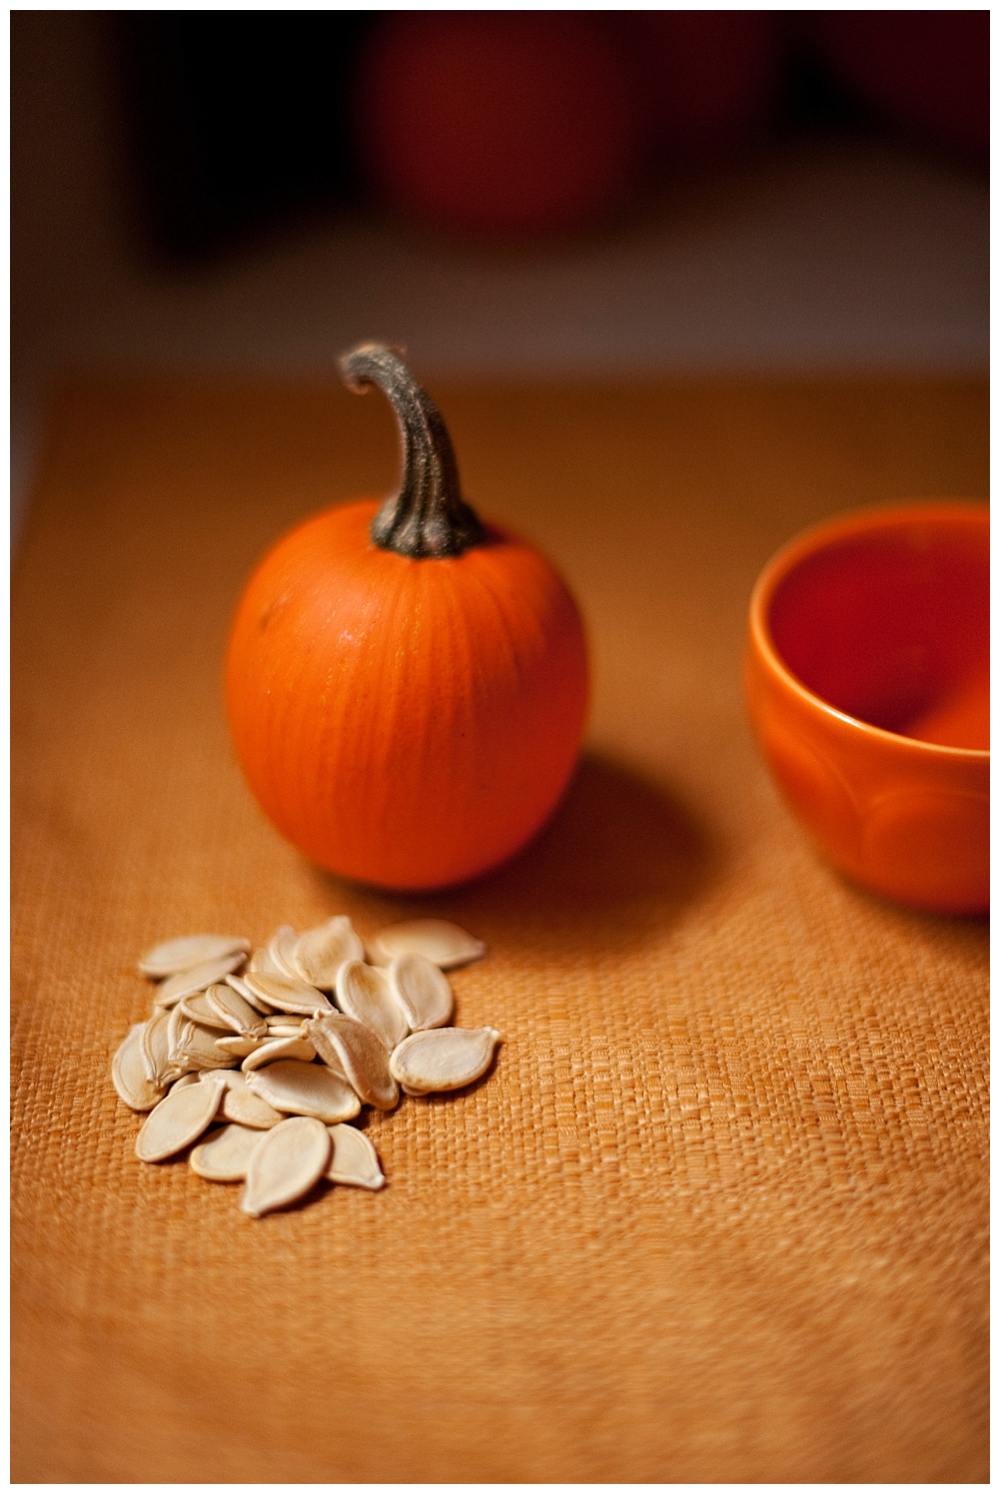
<point>812,541</point>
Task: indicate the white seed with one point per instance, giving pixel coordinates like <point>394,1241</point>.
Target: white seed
<point>281,951</point>
<point>175,955</point>
<point>445,944</point>
<point>239,1103</point>
<point>261,963</point>
<point>285,1164</point>
<point>168,992</point>
<point>285,1026</point>
<point>176,1022</point>
<point>275,1017</point>
<point>443,1059</point>
<point>320,952</point>
<point>236,1014</point>
<point>128,1073</point>
<point>155,1044</point>
<point>192,1078</point>
<point>354,1159</point>
<point>242,1105</point>
<point>239,1047</point>
<point>288,995</point>
<point>177,1121</point>
<point>305,1089</point>
<point>225,1156</point>
<point>422,990</point>
<point>197,1009</point>
<point>241,988</point>
<point>332,1062</point>
<point>364,993</point>
<point>199,1048</point>
<point>214,1076</point>
<point>298,1048</point>
<point>350,1047</point>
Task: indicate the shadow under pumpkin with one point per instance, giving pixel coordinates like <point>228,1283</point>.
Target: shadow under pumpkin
<point>616,845</point>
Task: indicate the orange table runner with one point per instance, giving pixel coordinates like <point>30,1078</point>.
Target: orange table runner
<point>718,1214</point>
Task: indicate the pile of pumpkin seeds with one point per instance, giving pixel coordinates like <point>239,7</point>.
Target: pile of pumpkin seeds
<point>268,1054</point>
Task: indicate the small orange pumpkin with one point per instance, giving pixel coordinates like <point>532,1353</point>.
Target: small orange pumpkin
<point>406,686</point>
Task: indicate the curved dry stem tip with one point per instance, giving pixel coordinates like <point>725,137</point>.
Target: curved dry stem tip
<point>428,516</point>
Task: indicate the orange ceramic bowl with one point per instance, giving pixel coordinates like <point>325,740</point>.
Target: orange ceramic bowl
<point>867,682</point>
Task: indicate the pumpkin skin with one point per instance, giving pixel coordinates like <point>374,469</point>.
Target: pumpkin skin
<point>405,722</point>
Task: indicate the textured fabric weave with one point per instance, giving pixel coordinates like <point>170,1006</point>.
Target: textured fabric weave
<point>719,1212</point>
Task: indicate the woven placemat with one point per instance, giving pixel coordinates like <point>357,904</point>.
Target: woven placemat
<point>719,1212</point>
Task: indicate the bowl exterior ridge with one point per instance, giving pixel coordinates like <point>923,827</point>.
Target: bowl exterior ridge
<point>903,817</point>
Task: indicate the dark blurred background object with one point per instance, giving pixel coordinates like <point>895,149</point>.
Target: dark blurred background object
<point>508,124</point>
<point>502,123</point>
<point>925,71</point>
<point>236,118</point>
<point>709,80</point>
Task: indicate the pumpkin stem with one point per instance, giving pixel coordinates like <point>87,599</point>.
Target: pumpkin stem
<point>428,516</point>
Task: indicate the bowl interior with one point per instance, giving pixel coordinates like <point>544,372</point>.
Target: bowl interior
<point>891,626</point>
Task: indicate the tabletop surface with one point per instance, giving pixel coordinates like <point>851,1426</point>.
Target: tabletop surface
<point>719,1212</point>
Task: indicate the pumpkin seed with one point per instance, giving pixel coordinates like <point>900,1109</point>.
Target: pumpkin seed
<point>155,1046</point>
<point>248,1109</point>
<point>286,1029</point>
<point>422,990</point>
<point>298,1048</point>
<point>261,963</point>
<point>199,1048</point>
<point>235,1014</point>
<point>199,978</point>
<point>176,955</point>
<point>364,993</point>
<point>197,1008</point>
<point>281,951</point>
<point>176,1023</point>
<point>239,1047</point>
<point>354,1160</point>
<point>177,1121</point>
<point>443,943</point>
<point>180,1066</point>
<point>285,1164</point>
<point>241,988</point>
<point>320,952</point>
<point>305,1089</point>
<point>239,1103</point>
<point>128,1072</point>
<point>225,1156</point>
<point>443,1059</point>
<point>332,1062</point>
<point>191,1078</point>
<point>351,1047</point>
<point>214,1076</point>
<point>289,995</point>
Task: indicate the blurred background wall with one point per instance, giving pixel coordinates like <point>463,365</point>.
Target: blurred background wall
<point>507,194</point>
